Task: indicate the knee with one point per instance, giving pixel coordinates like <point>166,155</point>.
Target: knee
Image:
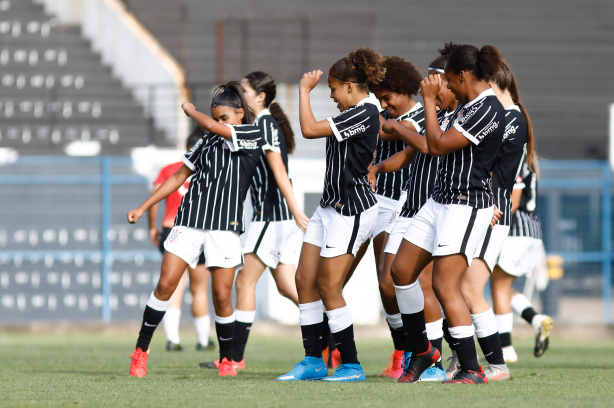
<point>165,288</point>
<point>396,272</point>
<point>386,289</point>
<point>222,298</point>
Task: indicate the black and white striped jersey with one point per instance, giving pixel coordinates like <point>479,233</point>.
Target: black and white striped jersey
<point>392,184</point>
<point>423,173</point>
<point>509,161</point>
<point>267,201</point>
<point>222,173</point>
<point>348,155</point>
<point>525,222</point>
<point>463,176</point>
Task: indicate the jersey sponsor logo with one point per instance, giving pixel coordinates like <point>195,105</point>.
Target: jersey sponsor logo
<point>354,130</point>
<point>465,115</point>
<point>190,152</point>
<point>487,130</point>
<point>248,144</point>
<point>510,130</point>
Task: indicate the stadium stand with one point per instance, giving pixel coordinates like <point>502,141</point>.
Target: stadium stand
<point>54,90</point>
<point>219,40</point>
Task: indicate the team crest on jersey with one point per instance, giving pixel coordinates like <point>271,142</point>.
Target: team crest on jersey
<point>174,235</point>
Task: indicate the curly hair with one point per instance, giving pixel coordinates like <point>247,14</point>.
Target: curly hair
<point>363,67</point>
<point>440,61</point>
<point>401,77</point>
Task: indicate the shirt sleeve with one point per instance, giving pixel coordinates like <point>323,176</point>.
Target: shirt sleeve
<point>270,134</point>
<point>478,121</point>
<point>244,137</point>
<point>190,158</point>
<point>352,122</point>
<point>519,183</point>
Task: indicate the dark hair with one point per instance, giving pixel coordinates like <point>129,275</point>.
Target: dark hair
<point>482,63</point>
<point>440,62</point>
<point>363,67</point>
<point>194,137</point>
<point>506,81</point>
<point>231,94</point>
<point>263,82</point>
<point>401,76</point>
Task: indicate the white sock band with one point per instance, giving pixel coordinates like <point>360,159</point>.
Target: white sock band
<point>519,303</point>
<point>245,316</point>
<point>171,320</point>
<point>225,320</point>
<point>434,330</point>
<point>462,332</point>
<point>202,327</point>
<point>157,304</point>
<point>505,322</point>
<point>311,313</point>
<point>395,321</point>
<point>485,324</point>
<point>339,319</point>
<point>410,298</point>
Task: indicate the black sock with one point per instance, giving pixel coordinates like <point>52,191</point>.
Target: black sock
<point>528,314</point>
<point>397,338</point>
<point>151,320</point>
<point>491,347</point>
<point>225,334</point>
<point>346,346</point>
<point>438,343</point>
<point>467,355</point>
<point>506,339</point>
<point>415,328</point>
<point>312,340</point>
<point>446,334</point>
<point>242,330</point>
<point>326,335</point>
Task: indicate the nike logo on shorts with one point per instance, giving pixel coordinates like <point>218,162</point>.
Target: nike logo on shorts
<point>330,246</point>
<point>439,246</point>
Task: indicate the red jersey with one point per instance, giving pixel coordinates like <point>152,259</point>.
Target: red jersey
<point>172,201</point>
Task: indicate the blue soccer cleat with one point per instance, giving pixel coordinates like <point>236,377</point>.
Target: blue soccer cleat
<point>433,373</point>
<point>347,373</point>
<point>310,368</point>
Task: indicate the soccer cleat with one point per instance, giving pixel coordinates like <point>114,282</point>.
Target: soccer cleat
<point>468,377</point>
<point>335,359</point>
<point>418,363</point>
<point>497,372</point>
<point>509,354</point>
<point>388,366</point>
<point>433,373</point>
<point>396,369</point>
<point>227,368</point>
<point>170,346</point>
<point>238,365</point>
<point>207,347</point>
<point>138,364</point>
<point>454,366</point>
<point>543,325</point>
<point>347,373</point>
<point>310,368</point>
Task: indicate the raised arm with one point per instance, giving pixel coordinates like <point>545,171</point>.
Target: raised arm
<point>285,186</point>
<point>439,142</point>
<point>310,127</point>
<point>206,122</point>
<point>171,185</point>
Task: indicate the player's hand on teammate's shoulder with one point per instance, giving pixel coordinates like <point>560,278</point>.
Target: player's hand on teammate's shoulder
<point>309,80</point>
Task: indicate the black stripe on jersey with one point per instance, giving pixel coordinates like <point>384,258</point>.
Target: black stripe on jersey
<point>392,184</point>
<point>354,233</point>
<point>474,214</point>
<point>463,176</point>
<point>267,201</point>
<point>348,155</point>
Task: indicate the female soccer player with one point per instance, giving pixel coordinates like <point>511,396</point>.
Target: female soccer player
<point>272,239</point>
<point>199,276</point>
<point>507,165</point>
<point>209,219</point>
<point>448,228</point>
<point>346,215</point>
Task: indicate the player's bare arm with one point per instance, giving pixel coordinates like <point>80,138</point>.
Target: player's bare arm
<point>206,122</point>
<point>310,127</point>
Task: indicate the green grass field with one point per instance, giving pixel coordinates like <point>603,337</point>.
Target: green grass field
<point>91,370</point>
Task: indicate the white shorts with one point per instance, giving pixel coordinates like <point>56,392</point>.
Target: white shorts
<point>337,234</point>
<point>273,242</point>
<point>447,229</point>
<point>396,235</point>
<point>222,249</point>
<point>491,245</point>
<point>387,214</point>
<point>519,255</point>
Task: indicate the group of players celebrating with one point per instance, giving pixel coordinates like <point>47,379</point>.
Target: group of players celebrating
<point>445,190</point>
